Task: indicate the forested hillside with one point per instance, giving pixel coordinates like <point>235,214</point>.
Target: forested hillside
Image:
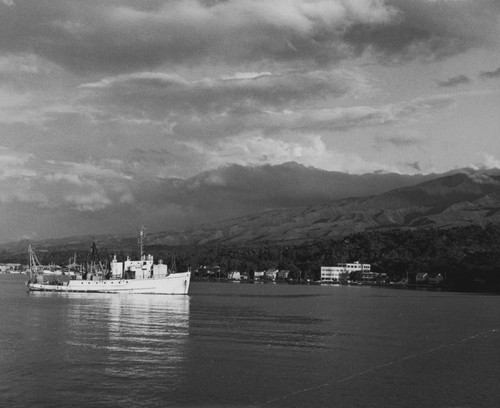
<point>469,257</point>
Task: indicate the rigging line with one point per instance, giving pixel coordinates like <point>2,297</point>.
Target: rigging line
<point>379,366</point>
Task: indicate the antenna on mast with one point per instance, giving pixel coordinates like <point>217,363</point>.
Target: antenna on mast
<point>142,236</point>
<point>34,264</point>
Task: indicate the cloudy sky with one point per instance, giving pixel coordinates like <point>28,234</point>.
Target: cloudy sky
<point>118,113</point>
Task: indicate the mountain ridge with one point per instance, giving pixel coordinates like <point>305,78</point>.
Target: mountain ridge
<point>464,198</point>
<point>453,200</point>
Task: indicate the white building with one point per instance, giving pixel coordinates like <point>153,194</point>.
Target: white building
<point>331,273</point>
<point>259,275</point>
<point>271,274</point>
<point>355,266</point>
<point>9,268</point>
<point>234,275</point>
<point>334,273</point>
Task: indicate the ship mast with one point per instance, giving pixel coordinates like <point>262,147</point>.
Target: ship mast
<point>142,235</point>
<point>34,264</point>
<point>96,265</point>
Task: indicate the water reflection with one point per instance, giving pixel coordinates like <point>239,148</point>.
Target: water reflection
<point>134,323</point>
<point>114,338</point>
<point>148,327</point>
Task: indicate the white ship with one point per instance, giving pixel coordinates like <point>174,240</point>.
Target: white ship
<point>130,276</point>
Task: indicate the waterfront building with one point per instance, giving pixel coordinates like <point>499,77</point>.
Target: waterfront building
<point>331,273</point>
<point>10,268</point>
<point>283,274</point>
<point>270,274</point>
<point>335,273</point>
<point>355,266</point>
<point>234,275</point>
<point>259,275</point>
<point>429,278</point>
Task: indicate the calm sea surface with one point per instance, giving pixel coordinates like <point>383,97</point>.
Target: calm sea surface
<point>249,345</point>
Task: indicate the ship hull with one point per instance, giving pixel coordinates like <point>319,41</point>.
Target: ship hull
<point>173,284</point>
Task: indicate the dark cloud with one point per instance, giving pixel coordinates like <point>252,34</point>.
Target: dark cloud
<point>321,121</point>
<point>158,95</point>
<point>415,166</point>
<point>236,190</point>
<point>126,36</point>
<point>490,74</point>
<point>111,36</point>
<point>265,102</point>
<point>427,29</point>
<point>454,81</point>
<point>401,141</point>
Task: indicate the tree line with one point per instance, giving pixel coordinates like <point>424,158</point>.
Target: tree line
<point>469,257</point>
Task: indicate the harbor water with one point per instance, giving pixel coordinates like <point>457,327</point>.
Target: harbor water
<point>249,345</point>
